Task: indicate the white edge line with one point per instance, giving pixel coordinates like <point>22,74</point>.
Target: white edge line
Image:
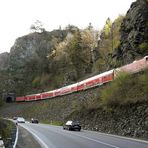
<point>126,138</point>
<point>16,139</point>
<point>97,141</point>
<point>43,144</point>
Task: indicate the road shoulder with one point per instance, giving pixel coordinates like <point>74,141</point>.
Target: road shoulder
<point>26,140</point>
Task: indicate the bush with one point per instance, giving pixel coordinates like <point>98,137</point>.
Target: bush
<point>36,82</point>
<point>144,48</point>
<point>126,89</point>
<point>6,130</point>
<point>143,80</point>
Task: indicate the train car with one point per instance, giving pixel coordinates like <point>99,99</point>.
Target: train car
<point>99,79</point>
<point>48,94</point>
<point>107,76</point>
<point>30,97</point>
<point>92,82</point>
<point>81,85</point>
<point>38,97</point>
<point>20,99</point>
<point>69,89</point>
<point>134,67</point>
<point>74,87</point>
<point>96,80</point>
<point>51,93</point>
<point>57,92</point>
<point>65,90</point>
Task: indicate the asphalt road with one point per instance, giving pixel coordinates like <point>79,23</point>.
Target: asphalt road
<point>26,139</point>
<point>55,137</point>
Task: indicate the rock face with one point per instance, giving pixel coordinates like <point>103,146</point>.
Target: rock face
<point>27,60</point>
<point>34,46</point>
<point>39,61</point>
<point>134,33</point>
<point>130,121</point>
<point>4,61</point>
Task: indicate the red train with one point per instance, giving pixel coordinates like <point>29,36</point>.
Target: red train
<point>94,81</point>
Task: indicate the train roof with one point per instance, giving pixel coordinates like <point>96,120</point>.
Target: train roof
<point>98,76</point>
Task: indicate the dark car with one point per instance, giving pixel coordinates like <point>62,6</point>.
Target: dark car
<point>34,121</point>
<point>72,125</point>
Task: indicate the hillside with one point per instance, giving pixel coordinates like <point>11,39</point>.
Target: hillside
<point>126,118</point>
<point>44,61</point>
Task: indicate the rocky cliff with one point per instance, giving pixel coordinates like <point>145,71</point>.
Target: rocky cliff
<point>134,33</point>
<point>28,60</point>
<point>4,61</point>
<point>43,61</point>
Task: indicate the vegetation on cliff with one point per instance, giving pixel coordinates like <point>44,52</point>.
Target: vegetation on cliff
<point>134,33</point>
<point>42,60</point>
<point>126,89</point>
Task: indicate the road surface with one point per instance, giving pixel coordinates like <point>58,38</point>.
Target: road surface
<point>55,137</point>
<point>26,139</point>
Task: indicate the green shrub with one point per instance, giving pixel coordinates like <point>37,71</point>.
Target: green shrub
<point>143,80</point>
<point>144,47</point>
<point>112,93</point>
<point>6,130</point>
<point>41,81</point>
<point>126,89</point>
<point>36,82</point>
<point>44,79</point>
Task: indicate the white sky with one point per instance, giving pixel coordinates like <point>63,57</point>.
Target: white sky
<point>17,15</point>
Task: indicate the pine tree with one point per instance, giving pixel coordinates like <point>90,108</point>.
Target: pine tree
<point>107,28</point>
<point>76,52</point>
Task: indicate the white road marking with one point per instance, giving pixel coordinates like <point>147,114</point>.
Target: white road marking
<point>110,145</point>
<point>16,139</point>
<point>43,144</point>
<point>124,138</point>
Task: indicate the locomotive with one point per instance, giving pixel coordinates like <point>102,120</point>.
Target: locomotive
<point>91,82</point>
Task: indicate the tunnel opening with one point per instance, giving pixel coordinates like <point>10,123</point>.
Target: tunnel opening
<point>9,100</point>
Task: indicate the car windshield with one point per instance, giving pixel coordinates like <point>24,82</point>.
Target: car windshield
<point>75,123</point>
<point>20,118</point>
